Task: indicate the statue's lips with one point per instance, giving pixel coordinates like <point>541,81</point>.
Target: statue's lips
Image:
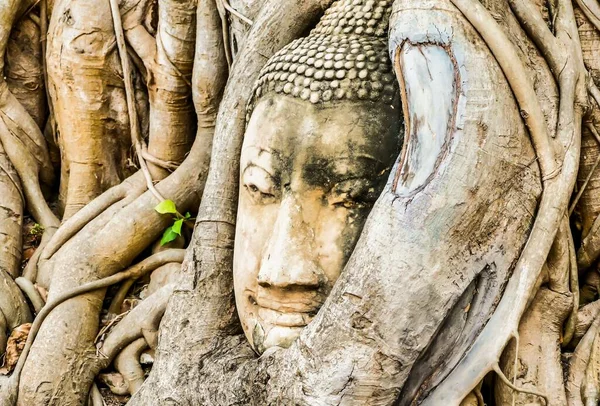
<point>284,319</point>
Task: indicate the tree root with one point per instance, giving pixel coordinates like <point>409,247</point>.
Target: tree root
<point>88,101</point>
<point>127,191</point>
<point>590,387</point>
<point>11,217</point>
<point>505,380</point>
<point>117,300</point>
<point>172,269</point>
<point>144,317</point>
<point>12,305</point>
<point>3,333</point>
<point>96,398</point>
<point>570,325</point>
<point>558,185</point>
<point>24,73</point>
<point>127,363</point>
<point>585,317</point>
<point>578,364</point>
<point>23,152</point>
<point>136,138</point>
<point>135,271</point>
<point>32,293</point>
<point>115,382</point>
<point>534,359</point>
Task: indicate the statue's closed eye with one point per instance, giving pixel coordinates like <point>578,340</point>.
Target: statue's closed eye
<point>259,185</point>
<point>353,194</point>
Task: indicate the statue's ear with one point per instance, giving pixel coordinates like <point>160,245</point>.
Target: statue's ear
<point>427,76</point>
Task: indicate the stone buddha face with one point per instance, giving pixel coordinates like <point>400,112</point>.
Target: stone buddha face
<point>309,177</point>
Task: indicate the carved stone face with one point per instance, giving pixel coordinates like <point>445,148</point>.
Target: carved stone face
<point>309,177</point>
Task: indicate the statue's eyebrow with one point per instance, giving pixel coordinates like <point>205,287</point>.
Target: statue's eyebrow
<point>265,159</point>
<point>328,171</point>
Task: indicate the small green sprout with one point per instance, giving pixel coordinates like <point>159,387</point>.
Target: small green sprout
<point>171,233</point>
<point>37,230</point>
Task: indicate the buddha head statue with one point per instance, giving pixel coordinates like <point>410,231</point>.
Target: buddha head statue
<point>323,131</point>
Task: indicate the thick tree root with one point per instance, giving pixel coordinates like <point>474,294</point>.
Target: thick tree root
<point>128,190</point>
<point>24,73</point>
<point>590,388</point>
<point>96,397</point>
<point>88,100</point>
<point>570,325</point>
<point>557,187</point>
<point>11,217</point>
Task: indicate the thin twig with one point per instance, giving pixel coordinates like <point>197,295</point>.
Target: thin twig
<point>225,31</point>
<point>168,165</point>
<point>236,13</point>
<point>507,382</point>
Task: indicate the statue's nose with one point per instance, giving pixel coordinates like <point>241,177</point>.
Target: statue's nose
<point>288,259</point>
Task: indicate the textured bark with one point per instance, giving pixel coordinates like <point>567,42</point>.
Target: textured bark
<point>538,364</point>
<point>24,72</point>
<point>86,88</point>
<point>589,204</point>
<point>21,138</point>
<point>11,217</point>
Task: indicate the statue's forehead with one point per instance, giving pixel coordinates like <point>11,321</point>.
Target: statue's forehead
<point>284,123</point>
<point>318,144</point>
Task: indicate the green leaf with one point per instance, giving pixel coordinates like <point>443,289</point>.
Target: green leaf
<point>168,236</point>
<point>187,215</point>
<point>166,207</point>
<point>177,226</point>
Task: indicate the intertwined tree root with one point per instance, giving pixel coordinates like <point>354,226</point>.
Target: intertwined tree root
<point>518,281</point>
